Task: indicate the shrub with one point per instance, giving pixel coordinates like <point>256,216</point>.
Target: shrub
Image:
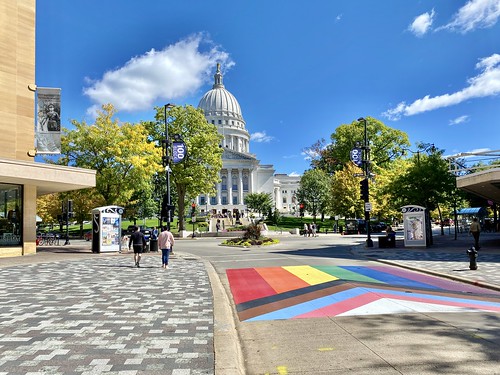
<point>252,232</point>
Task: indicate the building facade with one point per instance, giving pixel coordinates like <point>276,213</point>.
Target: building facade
<point>241,172</point>
<point>22,179</point>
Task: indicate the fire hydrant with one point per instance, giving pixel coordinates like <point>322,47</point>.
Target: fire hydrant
<point>472,253</point>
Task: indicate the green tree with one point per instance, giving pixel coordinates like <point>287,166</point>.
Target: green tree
<point>427,182</point>
<point>259,202</point>
<point>199,172</point>
<point>345,193</point>
<point>121,154</point>
<point>384,205</point>
<point>314,192</point>
<point>385,144</point>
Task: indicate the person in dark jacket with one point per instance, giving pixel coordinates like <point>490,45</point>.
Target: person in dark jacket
<point>138,240</point>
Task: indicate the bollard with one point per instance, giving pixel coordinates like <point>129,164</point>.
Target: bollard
<point>472,253</point>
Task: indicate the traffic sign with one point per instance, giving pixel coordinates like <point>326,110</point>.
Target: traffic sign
<point>368,206</point>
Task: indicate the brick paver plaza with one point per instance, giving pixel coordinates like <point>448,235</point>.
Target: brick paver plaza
<point>105,316</point>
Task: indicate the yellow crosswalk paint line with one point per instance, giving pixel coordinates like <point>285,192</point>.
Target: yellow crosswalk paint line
<point>282,370</point>
<point>310,275</point>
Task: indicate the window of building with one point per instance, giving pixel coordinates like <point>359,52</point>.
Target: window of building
<point>245,182</point>
<point>213,201</point>
<point>235,182</point>
<point>10,215</point>
<point>235,199</point>
<point>284,200</point>
<point>224,183</point>
<point>213,122</point>
<point>224,199</point>
<point>203,200</point>
<point>220,122</point>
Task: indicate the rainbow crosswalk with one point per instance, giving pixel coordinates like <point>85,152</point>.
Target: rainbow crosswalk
<point>294,292</point>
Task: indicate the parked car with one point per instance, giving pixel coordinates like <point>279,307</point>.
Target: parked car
<point>355,226</point>
<point>447,222</point>
<point>378,227</point>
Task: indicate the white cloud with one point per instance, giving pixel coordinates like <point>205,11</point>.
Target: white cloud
<point>309,154</point>
<point>294,174</point>
<point>459,120</point>
<point>261,137</point>
<point>172,73</point>
<point>487,83</point>
<point>338,18</point>
<point>475,14</point>
<point>422,23</point>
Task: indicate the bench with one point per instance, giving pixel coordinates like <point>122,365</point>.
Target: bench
<point>385,242</point>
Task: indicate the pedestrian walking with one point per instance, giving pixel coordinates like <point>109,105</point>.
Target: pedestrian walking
<point>138,240</point>
<point>475,230</point>
<point>166,243</point>
<point>313,230</point>
<point>306,230</point>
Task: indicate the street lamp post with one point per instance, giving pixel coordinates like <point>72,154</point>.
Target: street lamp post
<point>167,166</point>
<point>366,172</point>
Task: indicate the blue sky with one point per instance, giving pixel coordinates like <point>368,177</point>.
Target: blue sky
<point>298,69</point>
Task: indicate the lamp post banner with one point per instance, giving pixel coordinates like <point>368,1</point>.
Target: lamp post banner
<point>356,156</point>
<point>179,151</point>
<point>48,121</point>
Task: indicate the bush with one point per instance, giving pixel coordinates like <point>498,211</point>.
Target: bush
<point>252,232</point>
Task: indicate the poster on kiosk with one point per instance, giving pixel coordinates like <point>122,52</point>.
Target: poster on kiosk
<point>106,229</point>
<point>415,233</point>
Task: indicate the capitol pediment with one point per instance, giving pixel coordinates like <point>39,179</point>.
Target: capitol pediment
<point>235,155</point>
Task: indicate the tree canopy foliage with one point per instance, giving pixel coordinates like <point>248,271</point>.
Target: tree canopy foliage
<point>259,202</point>
<point>385,144</point>
<point>314,192</point>
<point>198,173</point>
<point>123,156</point>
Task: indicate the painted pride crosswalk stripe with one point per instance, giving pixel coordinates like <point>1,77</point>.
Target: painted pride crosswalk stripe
<point>310,275</point>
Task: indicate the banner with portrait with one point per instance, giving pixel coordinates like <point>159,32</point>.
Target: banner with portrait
<point>48,121</point>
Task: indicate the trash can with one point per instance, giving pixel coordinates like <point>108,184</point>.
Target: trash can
<point>153,245</point>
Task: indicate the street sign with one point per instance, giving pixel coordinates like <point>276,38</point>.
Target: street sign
<point>368,206</point>
<point>356,156</point>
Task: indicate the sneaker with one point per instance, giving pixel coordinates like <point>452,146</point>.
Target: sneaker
<point>137,265</point>
<point>167,267</point>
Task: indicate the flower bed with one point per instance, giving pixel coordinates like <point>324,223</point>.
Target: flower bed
<point>247,242</point>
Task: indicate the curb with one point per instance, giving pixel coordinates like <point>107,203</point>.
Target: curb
<point>228,353</point>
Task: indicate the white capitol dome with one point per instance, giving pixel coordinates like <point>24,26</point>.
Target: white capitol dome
<point>219,101</point>
<point>222,109</point>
